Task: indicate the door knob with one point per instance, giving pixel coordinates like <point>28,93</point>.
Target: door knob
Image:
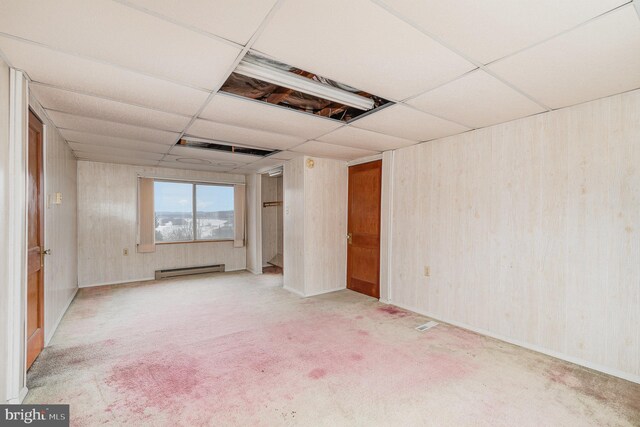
<point>46,252</point>
<point>349,238</point>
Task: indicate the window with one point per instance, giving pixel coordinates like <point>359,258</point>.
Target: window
<point>187,212</point>
<point>214,212</point>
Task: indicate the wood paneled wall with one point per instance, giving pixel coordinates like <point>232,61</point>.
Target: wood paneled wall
<point>315,225</point>
<point>531,230</point>
<point>294,219</point>
<point>325,227</point>
<point>254,234</point>
<point>107,195</point>
<point>61,236</point>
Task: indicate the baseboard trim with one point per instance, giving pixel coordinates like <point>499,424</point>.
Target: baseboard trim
<point>294,291</point>
<point>143,279</point>
<point>59,319</point>
<point>313,294</point>
<point>250,270</point>
<point>23,393</point>
<point>567,358</point>
<point>328,291</point>
<point>18,400</point>
<point>119,282</point>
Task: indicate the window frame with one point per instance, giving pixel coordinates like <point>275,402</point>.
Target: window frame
<point>194,211</point>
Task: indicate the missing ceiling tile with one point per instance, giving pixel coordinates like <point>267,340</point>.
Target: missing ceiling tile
<point>226,148</point>
<point>266,80</point>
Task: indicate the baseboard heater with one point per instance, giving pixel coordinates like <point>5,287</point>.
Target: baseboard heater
<point>173,272</point>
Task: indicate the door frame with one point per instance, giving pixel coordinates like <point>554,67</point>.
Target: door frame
<point>14,387</point>
<point>42,214</point>
<point>14,262</point>
<point>386,223</point>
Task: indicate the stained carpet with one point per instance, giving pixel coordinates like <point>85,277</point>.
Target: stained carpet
<point>237,349</point>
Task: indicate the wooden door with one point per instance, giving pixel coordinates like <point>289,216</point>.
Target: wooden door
<point>35,254</point>
<point>363,238</point>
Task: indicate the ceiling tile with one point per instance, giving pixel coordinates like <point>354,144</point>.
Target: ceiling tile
<point>109,141</point>
<point>477,99</point>
<point>234,134</point>
<point>360,44</point>
<point>265,164</point>
<point>105,158</point>
<point>234,20</point>
<point>213,156</point>
<point>598,59</point>
<point>406,122</point>
<point>119,130</point>
<point>259,115</point>
<point>350,136</point>
<point>491,29</point>
<point>285,155</point>
<point>71,72</point>
<point>200,162</point>
<point>198,167</point>
<point>331,151</point>
<point>104,109</point>
<point>112,32</point>
<point>245,170</point>
<point>111,151</point>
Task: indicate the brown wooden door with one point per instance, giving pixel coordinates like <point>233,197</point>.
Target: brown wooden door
<point>363,238</point>
<point>35,254</point>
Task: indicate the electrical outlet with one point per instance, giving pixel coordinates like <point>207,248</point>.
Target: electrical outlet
<point>427,271</point>
<point>125,251</point>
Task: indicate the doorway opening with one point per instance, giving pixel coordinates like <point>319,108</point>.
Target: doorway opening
<point>272,222</point>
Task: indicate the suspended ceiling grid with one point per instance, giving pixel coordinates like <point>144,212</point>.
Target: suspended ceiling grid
<point>124,80</point>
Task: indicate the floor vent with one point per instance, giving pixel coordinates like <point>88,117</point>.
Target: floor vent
<point>427,325</point>
<point>161,274</point>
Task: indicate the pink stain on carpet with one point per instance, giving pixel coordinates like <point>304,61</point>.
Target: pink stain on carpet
<point>264,365</point>
<point>317,373</point>
<point>155,381</point>
<point>393,310</point>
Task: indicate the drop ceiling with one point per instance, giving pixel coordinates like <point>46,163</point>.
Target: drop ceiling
<point>124,80</point>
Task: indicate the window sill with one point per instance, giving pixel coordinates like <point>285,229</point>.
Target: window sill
<point>193,241</point>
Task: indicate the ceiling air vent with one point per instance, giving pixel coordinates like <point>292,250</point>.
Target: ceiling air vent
<point>262,79</point>
<point>227,148</point>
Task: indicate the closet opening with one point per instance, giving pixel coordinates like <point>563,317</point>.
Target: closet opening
<point>272,222</point>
